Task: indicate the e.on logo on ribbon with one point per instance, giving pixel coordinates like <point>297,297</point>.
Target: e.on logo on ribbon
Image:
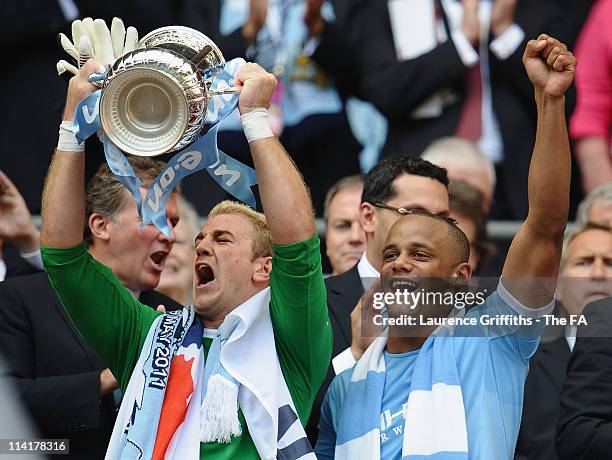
<point>91,117</point>
<point>187,161</point>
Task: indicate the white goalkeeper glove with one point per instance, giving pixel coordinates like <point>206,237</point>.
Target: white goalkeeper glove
<point>91,39</point>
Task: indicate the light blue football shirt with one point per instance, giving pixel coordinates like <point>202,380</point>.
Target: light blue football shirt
<point>492,369</point>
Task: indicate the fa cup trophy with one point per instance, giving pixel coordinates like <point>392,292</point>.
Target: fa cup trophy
<point>162,94</point>
<point>154,99</point>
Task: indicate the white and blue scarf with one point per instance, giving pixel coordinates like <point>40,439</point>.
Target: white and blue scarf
<point>176,399</point>
<point>434,426</point>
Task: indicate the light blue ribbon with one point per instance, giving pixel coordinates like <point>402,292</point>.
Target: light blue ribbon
<point>87,117</point>
<point>235,177</point>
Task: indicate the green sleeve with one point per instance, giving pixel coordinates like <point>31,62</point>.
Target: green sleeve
<point>298,308</point>
<point>105,313</point>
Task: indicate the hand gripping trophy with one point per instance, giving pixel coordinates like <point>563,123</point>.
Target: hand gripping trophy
<point>160,94</point>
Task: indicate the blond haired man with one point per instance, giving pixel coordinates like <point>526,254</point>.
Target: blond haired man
<point>235,374</point>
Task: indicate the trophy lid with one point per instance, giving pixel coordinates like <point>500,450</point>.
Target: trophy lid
<point>187,42</point>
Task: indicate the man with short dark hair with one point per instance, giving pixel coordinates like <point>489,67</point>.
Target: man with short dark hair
<point>392,188</point>
<point>66,386</point>
<point>453,389</point>
<point>113,234</point>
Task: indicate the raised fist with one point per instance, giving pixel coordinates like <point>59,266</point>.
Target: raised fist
<point>550,65</point>
<point>256,87</point>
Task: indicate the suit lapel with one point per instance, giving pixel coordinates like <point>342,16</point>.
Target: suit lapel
<point>94,360</point>
<point>554,358</point>
<point>344,292</point>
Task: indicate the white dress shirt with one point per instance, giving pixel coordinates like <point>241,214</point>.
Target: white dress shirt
<point>368,275</point>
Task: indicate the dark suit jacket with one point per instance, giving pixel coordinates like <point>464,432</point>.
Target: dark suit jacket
<point>396,88</point>
<point>542,400</point>
<point>343,293</point>
<point>15,264</point>
<point>584,429</point>
<point>56,372</point>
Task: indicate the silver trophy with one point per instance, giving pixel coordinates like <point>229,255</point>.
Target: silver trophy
<point>154,99</point>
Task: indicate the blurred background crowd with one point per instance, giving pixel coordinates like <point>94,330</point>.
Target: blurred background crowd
<point>360,82</point>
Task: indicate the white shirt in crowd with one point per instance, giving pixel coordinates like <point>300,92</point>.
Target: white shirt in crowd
<point>368,275</point>
<point>416,31</point>
<point>33,258</point>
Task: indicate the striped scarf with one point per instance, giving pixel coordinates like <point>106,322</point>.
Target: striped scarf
<point>434,426</point>
<point>176,399</point>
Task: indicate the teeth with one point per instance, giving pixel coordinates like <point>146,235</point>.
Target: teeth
<point>404,284</point>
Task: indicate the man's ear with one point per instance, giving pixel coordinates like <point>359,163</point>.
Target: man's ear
<point>560,285</point>
<point>463,271</point>
<point>368,217</point>
<point>98,226</point>
<point>263,267</point>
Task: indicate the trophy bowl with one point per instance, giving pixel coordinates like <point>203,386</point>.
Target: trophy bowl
<point>154,99</point>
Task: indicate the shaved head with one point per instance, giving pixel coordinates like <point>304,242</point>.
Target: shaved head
<point>456,244</point>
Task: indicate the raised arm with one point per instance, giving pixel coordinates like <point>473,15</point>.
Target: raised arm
<point>63,209</point>
<point>532,264</point>
<point>284,196</point>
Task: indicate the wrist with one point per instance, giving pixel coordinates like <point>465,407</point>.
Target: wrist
<point>72,102</point>
<point>545,99</point>
<point>69,109</point>
<point>67,141</point>
<point>499,28</point>
<point>471,35</point>
<point>103,386</point>
<point>256,125</point>
<point>29,241</point>
<point>250,30</point>
<point>316,27</point>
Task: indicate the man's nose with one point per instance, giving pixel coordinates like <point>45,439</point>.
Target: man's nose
<point>203,247</point>
<point>598,269</point>
<point>168,239</point>
<point>357,234</point>
<point>402,265</point>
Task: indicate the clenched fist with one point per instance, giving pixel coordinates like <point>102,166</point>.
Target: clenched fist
<point>550,65</point>
<point>256,87</point>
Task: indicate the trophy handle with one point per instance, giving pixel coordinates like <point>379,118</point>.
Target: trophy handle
<point>222,91</point>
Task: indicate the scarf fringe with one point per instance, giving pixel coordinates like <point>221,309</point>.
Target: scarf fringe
<point>219,411</point>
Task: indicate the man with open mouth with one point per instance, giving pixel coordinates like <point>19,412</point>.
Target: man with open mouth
<point>457,392</point>
<point>68,389</point>
<point>233,375</point>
